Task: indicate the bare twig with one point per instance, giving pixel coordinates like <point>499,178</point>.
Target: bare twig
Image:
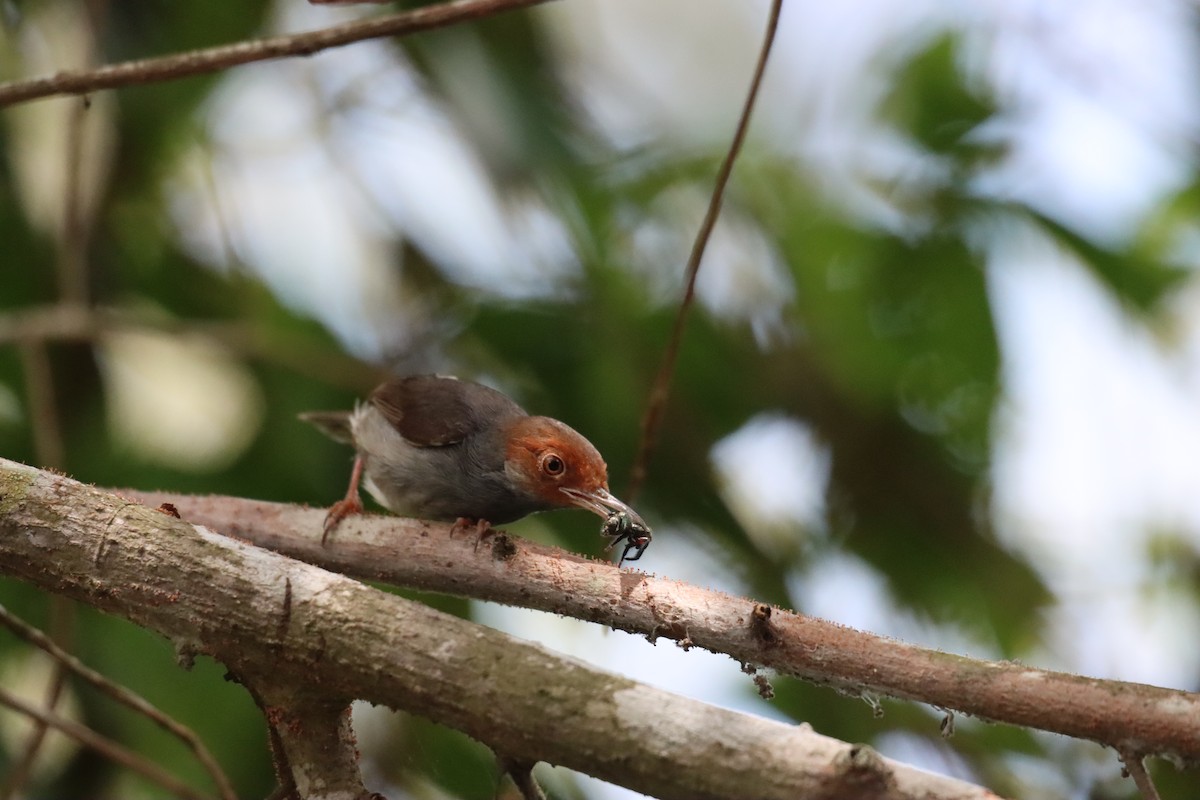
<point>62,615</point>
<point>430,556</point>
<point>661,389</point>
<point>213,59</point>
<point>1135,767</point>
<point>72,255</point>
<point>43,407</point>
<point>75,324</point>
<point>42,402</point>
<point>123,696</point>
<point>106,747</point>
<point>49,449</point>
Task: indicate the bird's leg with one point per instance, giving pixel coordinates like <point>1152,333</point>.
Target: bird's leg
<point>349,505</point>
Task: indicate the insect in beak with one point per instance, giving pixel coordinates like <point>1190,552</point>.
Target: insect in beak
<point>621,523</point>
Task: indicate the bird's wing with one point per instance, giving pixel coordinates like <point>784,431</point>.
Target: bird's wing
<point>435,411</point>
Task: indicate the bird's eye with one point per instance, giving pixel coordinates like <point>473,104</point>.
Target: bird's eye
<point>553,465</point>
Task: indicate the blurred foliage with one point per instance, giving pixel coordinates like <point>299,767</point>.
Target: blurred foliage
<point>888,352</point>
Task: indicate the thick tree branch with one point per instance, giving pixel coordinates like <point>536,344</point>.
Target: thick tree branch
<point>277,621</point>
<point>1125,716</point>
<point>317,742</point>
<point>213,59</point>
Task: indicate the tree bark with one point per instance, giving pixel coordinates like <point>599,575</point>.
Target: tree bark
<point>286,628</point>
<point>1129,717</point>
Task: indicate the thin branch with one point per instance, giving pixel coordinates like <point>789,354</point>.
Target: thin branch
<point>74,324</point>
<point>123,696</point>
<point>661,390</point>
<point>73,245</point>
<point>1135,767</point>
<point>72,274</point>
<point>106,747</point>
<point>49,449</point>
<point>43,403</point>
<point>62,615</point>
<point>213,59</point>
<point>276,621</point>
<point>505,569</point>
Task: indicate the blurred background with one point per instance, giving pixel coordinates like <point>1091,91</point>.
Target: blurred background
<point>941,381</point>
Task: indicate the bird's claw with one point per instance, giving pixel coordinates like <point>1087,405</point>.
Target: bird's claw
<point>622,526</point>
<point>463,524</point>
<point>338,512</point>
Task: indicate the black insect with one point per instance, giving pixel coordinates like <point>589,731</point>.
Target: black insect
<point>622,526</point>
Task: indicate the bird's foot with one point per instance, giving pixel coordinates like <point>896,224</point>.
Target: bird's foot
<point>463,524</point>
<point>338,512</point>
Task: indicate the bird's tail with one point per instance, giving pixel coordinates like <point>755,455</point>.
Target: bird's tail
<point>334,424</point>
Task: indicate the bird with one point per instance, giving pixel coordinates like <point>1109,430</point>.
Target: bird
<point>440,448</point>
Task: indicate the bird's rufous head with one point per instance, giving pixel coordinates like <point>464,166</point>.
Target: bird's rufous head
<point>552,462</point>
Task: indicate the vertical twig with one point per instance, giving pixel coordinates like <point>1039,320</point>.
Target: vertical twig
<point>49,451</point>
<point>660,390</point>
<point>72,255</point>
<point>42,401</point>
<point>43,406</point>
<point>1135,767</point>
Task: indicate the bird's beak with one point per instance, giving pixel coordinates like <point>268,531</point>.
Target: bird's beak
<point>603,503</point>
